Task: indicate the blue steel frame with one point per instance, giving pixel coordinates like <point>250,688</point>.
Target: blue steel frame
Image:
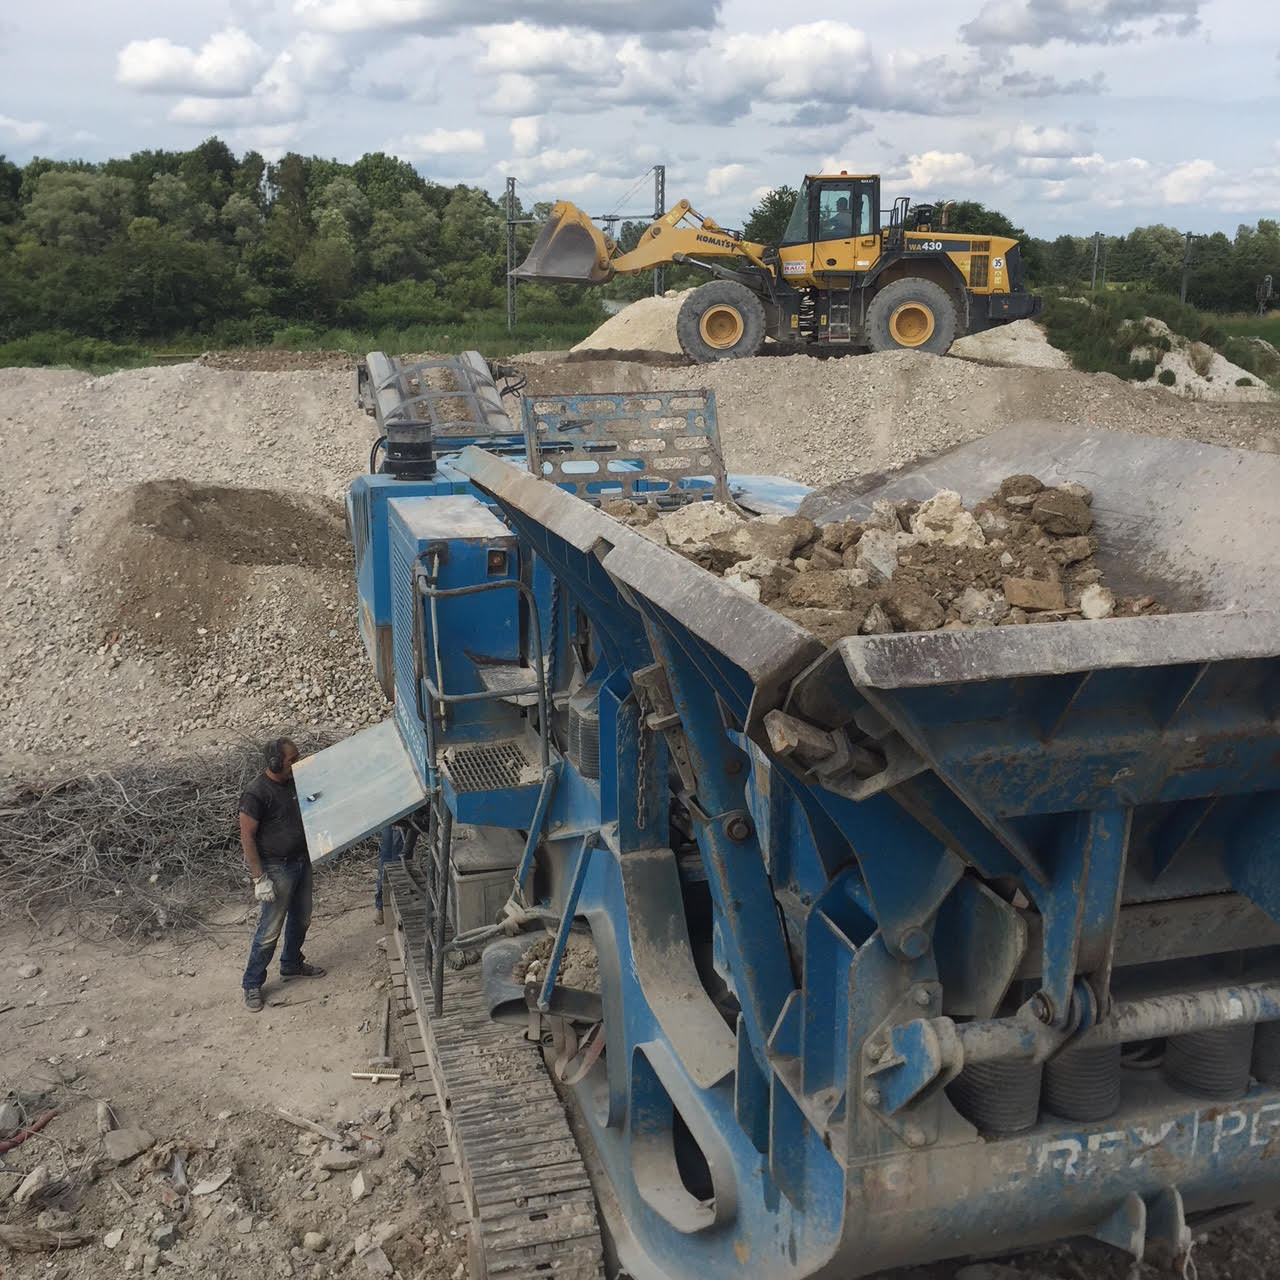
<point>844,911</point>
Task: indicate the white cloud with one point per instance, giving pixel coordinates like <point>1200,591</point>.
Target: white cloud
<point>442,17</point>
<point>438,142</point>
<point>318,61</point>
<point>1041,140</point>
<point>24,131</point>
<point>276,99</point>
<point>941,173</point>
<point>1001,23</point>
<point>1190,182</point>
<point>724,178</point>
<point>529,134</point>
<point>408,71</point>
<point>228,65</point>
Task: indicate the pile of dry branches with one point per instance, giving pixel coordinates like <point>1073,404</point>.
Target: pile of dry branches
<point>142,850</point>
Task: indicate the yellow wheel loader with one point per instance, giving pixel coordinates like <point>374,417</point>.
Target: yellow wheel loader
<point>838,278</point>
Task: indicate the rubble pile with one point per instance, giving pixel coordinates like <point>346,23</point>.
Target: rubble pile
<point>1023,555</point>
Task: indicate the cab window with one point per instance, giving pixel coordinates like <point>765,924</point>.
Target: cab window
<point>844,211</point>
<point>797,231</point>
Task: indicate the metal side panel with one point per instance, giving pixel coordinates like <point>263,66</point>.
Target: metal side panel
<point>354,788</point>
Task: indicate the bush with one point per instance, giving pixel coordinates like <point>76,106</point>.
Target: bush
<point>61,348</point>
<point>1251,356</point>
<point>1244,382</point>
<point>294,337</point>
<point>1097,337</point>
<point>1167,377</point>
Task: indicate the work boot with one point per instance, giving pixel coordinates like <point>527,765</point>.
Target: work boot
<point>307,971</point>
<point>253,999</point>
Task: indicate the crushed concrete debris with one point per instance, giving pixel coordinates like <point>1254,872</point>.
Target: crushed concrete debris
<point>1023,555</point>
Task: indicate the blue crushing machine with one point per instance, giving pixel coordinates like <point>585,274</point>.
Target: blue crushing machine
<point>917,946</point>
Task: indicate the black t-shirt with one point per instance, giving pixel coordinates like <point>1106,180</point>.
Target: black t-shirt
<point>275,805</point>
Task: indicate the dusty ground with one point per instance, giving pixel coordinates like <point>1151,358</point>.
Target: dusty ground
<point>159,1033</point>
<point>208,494</point>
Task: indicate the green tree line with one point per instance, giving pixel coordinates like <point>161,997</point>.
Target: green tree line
<point>167,243</point>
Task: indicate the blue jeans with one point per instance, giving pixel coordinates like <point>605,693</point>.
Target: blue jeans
<point>389,850</point>
<point>291,911</point>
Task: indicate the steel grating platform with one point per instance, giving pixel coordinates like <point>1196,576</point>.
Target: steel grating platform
<point>520,1179</point>
<point>493,766</point>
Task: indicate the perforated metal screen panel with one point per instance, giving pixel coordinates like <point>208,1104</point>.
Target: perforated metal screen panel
<point>655,446</point>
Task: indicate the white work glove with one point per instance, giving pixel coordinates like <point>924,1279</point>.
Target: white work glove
<point>264,890</point>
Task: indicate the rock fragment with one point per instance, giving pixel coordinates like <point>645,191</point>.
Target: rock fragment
<point>1097,602</point>
<point>913,609</point>
<point>943,519</point>
<point>32,1185</point>
<point>1032,594</point>
<point>123,1145</point>
<point>1062,513</point>
<point>979,607</point>
<point>821,589</point>
<point>698,521</point>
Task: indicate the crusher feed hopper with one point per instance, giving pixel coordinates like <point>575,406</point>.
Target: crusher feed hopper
<point>919,946</point>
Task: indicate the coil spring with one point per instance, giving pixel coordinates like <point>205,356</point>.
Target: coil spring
<point>1212,1064</point>
<point>1083,1083</point>
<point>584,736</point>
<point>1266,1053</point>
<point>998,1097</point>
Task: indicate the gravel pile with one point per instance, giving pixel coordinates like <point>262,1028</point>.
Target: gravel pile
<point>1024,555</point>
<point>820,420</point>
<point>211,497</point>
<point>147,615</point>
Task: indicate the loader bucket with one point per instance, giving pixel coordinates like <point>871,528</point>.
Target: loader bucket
<point>570,249</point>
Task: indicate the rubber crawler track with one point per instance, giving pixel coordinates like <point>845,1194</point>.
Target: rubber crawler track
<point>523,1183</point>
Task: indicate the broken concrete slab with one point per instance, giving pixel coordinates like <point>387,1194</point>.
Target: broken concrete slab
<point>699,521</point>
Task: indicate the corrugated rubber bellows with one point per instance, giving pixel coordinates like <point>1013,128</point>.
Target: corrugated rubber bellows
<point>1266,1053</point>
<point>1211,1064</point>
<point>1083,1083</point>
<point>584,733</point>
<point>998,1097</point>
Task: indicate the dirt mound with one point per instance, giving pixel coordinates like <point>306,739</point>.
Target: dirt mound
<point>176,559</point>
<point>1195,370</point>
<point>648,324</point>
<point>1020,345</point>
<point>822,420</point>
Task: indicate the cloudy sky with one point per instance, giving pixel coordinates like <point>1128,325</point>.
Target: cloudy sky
<point>1068,115</point>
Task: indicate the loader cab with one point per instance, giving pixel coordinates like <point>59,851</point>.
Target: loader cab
<point>836,207</point>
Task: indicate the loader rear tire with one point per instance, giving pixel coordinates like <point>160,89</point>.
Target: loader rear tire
<point>720,320</point>
<point>912,315</point>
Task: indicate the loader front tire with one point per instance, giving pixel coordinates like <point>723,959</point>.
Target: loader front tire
<point>911,315</point>
<point>720,320</point>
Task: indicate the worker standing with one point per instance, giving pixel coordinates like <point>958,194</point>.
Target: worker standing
<point>275,850</point>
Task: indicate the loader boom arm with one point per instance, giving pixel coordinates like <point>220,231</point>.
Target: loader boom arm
<point>571,249</point>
